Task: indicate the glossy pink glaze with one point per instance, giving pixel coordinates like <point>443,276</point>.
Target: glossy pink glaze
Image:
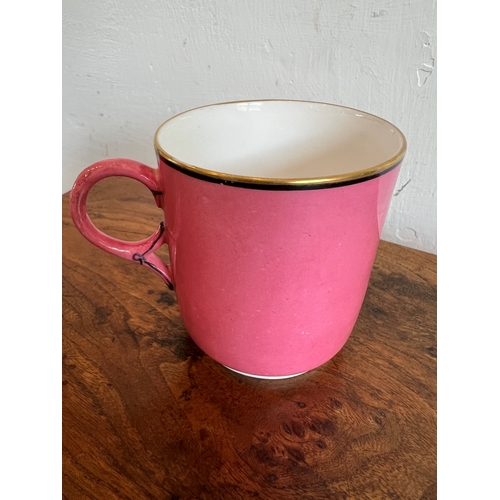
<point>269,283</point>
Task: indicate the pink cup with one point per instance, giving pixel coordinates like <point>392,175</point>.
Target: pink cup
<point>273,214</point>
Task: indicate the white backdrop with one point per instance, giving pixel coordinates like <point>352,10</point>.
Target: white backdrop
<point>129,65</point>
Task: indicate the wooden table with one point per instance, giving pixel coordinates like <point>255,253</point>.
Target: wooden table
<point>147,415</point>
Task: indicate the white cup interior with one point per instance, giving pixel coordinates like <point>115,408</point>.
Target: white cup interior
<point>280,139</point>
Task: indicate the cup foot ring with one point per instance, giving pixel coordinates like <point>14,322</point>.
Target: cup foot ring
<point>264,377</point>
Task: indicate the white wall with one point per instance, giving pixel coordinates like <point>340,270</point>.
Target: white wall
<point>129,65</point>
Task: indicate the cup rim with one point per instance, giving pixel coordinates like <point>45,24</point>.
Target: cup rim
<point>283,183</point>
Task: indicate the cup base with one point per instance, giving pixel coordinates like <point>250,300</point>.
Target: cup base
<point>264,377</point>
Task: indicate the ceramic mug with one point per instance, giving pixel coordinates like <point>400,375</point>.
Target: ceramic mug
<point>273,213</point>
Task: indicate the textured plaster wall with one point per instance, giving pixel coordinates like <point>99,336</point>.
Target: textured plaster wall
<point>129,65</point>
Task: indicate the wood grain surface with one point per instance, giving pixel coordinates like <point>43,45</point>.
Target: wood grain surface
<point>146,415</point>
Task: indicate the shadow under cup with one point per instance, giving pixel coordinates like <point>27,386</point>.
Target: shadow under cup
<point>273,215</point>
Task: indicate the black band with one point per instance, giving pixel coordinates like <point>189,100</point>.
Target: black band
<point>274,187</point>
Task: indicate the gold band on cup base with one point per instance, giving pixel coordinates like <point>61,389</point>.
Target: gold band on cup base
<point>264,377</point>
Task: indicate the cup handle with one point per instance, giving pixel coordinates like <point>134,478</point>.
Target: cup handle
<point>141,252</point>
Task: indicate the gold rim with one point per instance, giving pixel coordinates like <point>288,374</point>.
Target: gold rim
<point>334,179</point>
